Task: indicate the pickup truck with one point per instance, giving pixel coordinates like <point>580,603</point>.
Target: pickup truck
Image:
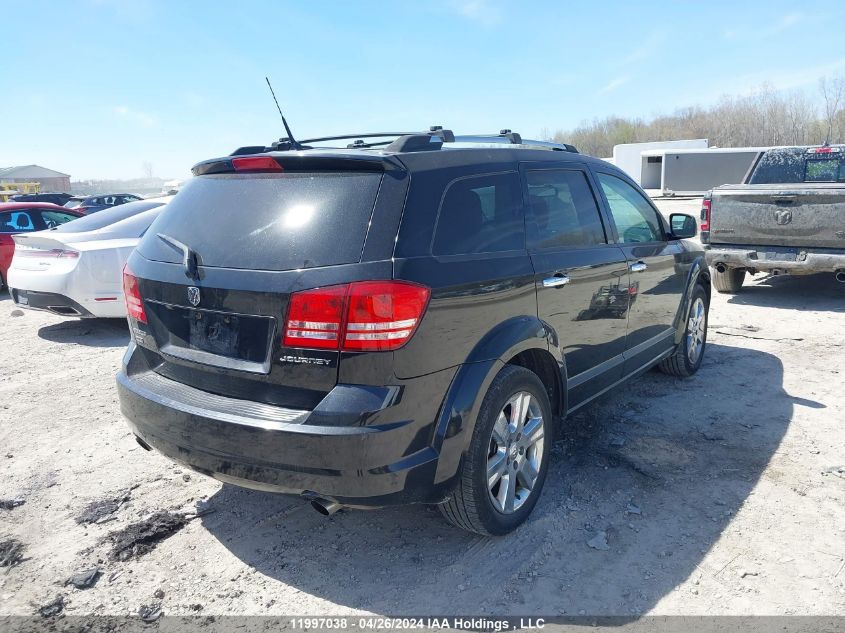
<point>788,217</point>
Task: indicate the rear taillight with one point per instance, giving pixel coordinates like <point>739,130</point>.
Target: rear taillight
<point>55,253</point>
<point>132,295</point>
<point>357,317</point>
<point>256,163</point>
<point>705,214</point>
<point>315,318</point>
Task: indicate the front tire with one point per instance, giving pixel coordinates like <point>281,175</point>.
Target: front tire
<point>507,460</point>
<point>730,281</point>
<point>689,353</point>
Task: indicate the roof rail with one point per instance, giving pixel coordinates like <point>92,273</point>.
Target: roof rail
<point>411,141</point>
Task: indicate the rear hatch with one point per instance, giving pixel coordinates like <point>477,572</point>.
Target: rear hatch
<point>254,239</point>
<point>806,215</point>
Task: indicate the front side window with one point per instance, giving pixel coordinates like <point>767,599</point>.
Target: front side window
<point>562,210</point>
<point>636,220</point>
<point>16,222</point>
<point>481,214</point>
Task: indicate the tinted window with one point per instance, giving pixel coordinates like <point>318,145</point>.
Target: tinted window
<point>563,210</point>
<point>16,222</point>
<point>268,221</point>
<point>56,218</point>
<point>797,165</point>
<point>482,214</point>
<point>73,203</point>
<point>825,170</point>
<point>109,216</point>
<point>635,219</point>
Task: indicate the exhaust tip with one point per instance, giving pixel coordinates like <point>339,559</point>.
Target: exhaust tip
<point>325,507</point>
<point>840,276</point>
<point>143,444</point>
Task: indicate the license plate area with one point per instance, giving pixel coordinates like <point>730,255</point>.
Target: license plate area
<point>781,255</point>
<point>222,339</point>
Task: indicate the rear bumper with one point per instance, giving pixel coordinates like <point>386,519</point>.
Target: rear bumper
<point>48,302</point>
<point>386,459</point>
<point>77,290</point>
<point>796,261</point>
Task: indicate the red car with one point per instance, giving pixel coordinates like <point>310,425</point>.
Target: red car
<point>23,217</point>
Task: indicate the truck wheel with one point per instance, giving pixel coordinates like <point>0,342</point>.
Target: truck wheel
<point>687,357</point>
<point>729,281</point>
<point>506,463</point>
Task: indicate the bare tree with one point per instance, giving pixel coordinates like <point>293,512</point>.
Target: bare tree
<point>765,117</point>
<point>833,93</point>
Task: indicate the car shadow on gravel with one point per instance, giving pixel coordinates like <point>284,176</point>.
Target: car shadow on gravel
<point>88,332</point>
<point>650,475</point>
<point>785,292</point>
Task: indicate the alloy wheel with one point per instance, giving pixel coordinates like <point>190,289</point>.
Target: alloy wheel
<point>515,455</point>
<point>696,330</point>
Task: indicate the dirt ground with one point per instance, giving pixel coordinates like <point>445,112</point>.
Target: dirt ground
<point>720,494</point>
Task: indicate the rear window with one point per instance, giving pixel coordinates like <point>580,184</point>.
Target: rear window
<point>793,166</point>
<point>268,221</point>
<point>109,216</point>
<point>481,214</point>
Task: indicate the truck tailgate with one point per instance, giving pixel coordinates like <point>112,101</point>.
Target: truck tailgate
<point>796,215</point>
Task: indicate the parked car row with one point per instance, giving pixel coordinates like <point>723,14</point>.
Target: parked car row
<point>75,269</point>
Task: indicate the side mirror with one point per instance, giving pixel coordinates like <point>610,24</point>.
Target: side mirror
<point>683,225</point>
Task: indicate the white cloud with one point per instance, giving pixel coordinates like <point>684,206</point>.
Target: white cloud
<point>135,116</point>
<point>648,48</point>
<point>614,84</point>
<point>785,23</point>
<point>483,12</point>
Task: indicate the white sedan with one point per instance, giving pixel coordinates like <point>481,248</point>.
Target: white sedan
<point>76,269</point>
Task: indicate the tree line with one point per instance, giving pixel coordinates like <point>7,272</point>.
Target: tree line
<point>763,118</point>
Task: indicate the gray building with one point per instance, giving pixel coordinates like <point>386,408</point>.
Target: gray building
<point>49,179</point>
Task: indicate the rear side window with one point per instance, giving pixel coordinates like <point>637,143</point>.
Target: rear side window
<point>16,222</point>
<point>481,214</point>
<point>268,221</point>
<point>563,210</point>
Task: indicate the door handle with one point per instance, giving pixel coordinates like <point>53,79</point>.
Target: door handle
<point>558,280</point>
<point>639,267</point>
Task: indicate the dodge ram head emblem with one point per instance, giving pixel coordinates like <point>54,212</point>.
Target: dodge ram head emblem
<point>783,216</point>
<point>193,295</point>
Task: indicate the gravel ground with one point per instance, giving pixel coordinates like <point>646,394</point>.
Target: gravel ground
<point>720,494</point>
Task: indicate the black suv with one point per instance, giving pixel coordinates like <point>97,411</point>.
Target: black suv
<point>400,323</point>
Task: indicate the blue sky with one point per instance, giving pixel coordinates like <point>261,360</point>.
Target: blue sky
<point>95,88</point>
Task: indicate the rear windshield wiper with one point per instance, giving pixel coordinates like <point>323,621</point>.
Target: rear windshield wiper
<point>189,256</point>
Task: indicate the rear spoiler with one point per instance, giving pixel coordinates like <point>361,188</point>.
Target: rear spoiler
<point>302,162</point>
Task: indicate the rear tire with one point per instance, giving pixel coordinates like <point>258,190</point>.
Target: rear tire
<point>514,454</point>
<point>689,353</point>
<point>730,281</point>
